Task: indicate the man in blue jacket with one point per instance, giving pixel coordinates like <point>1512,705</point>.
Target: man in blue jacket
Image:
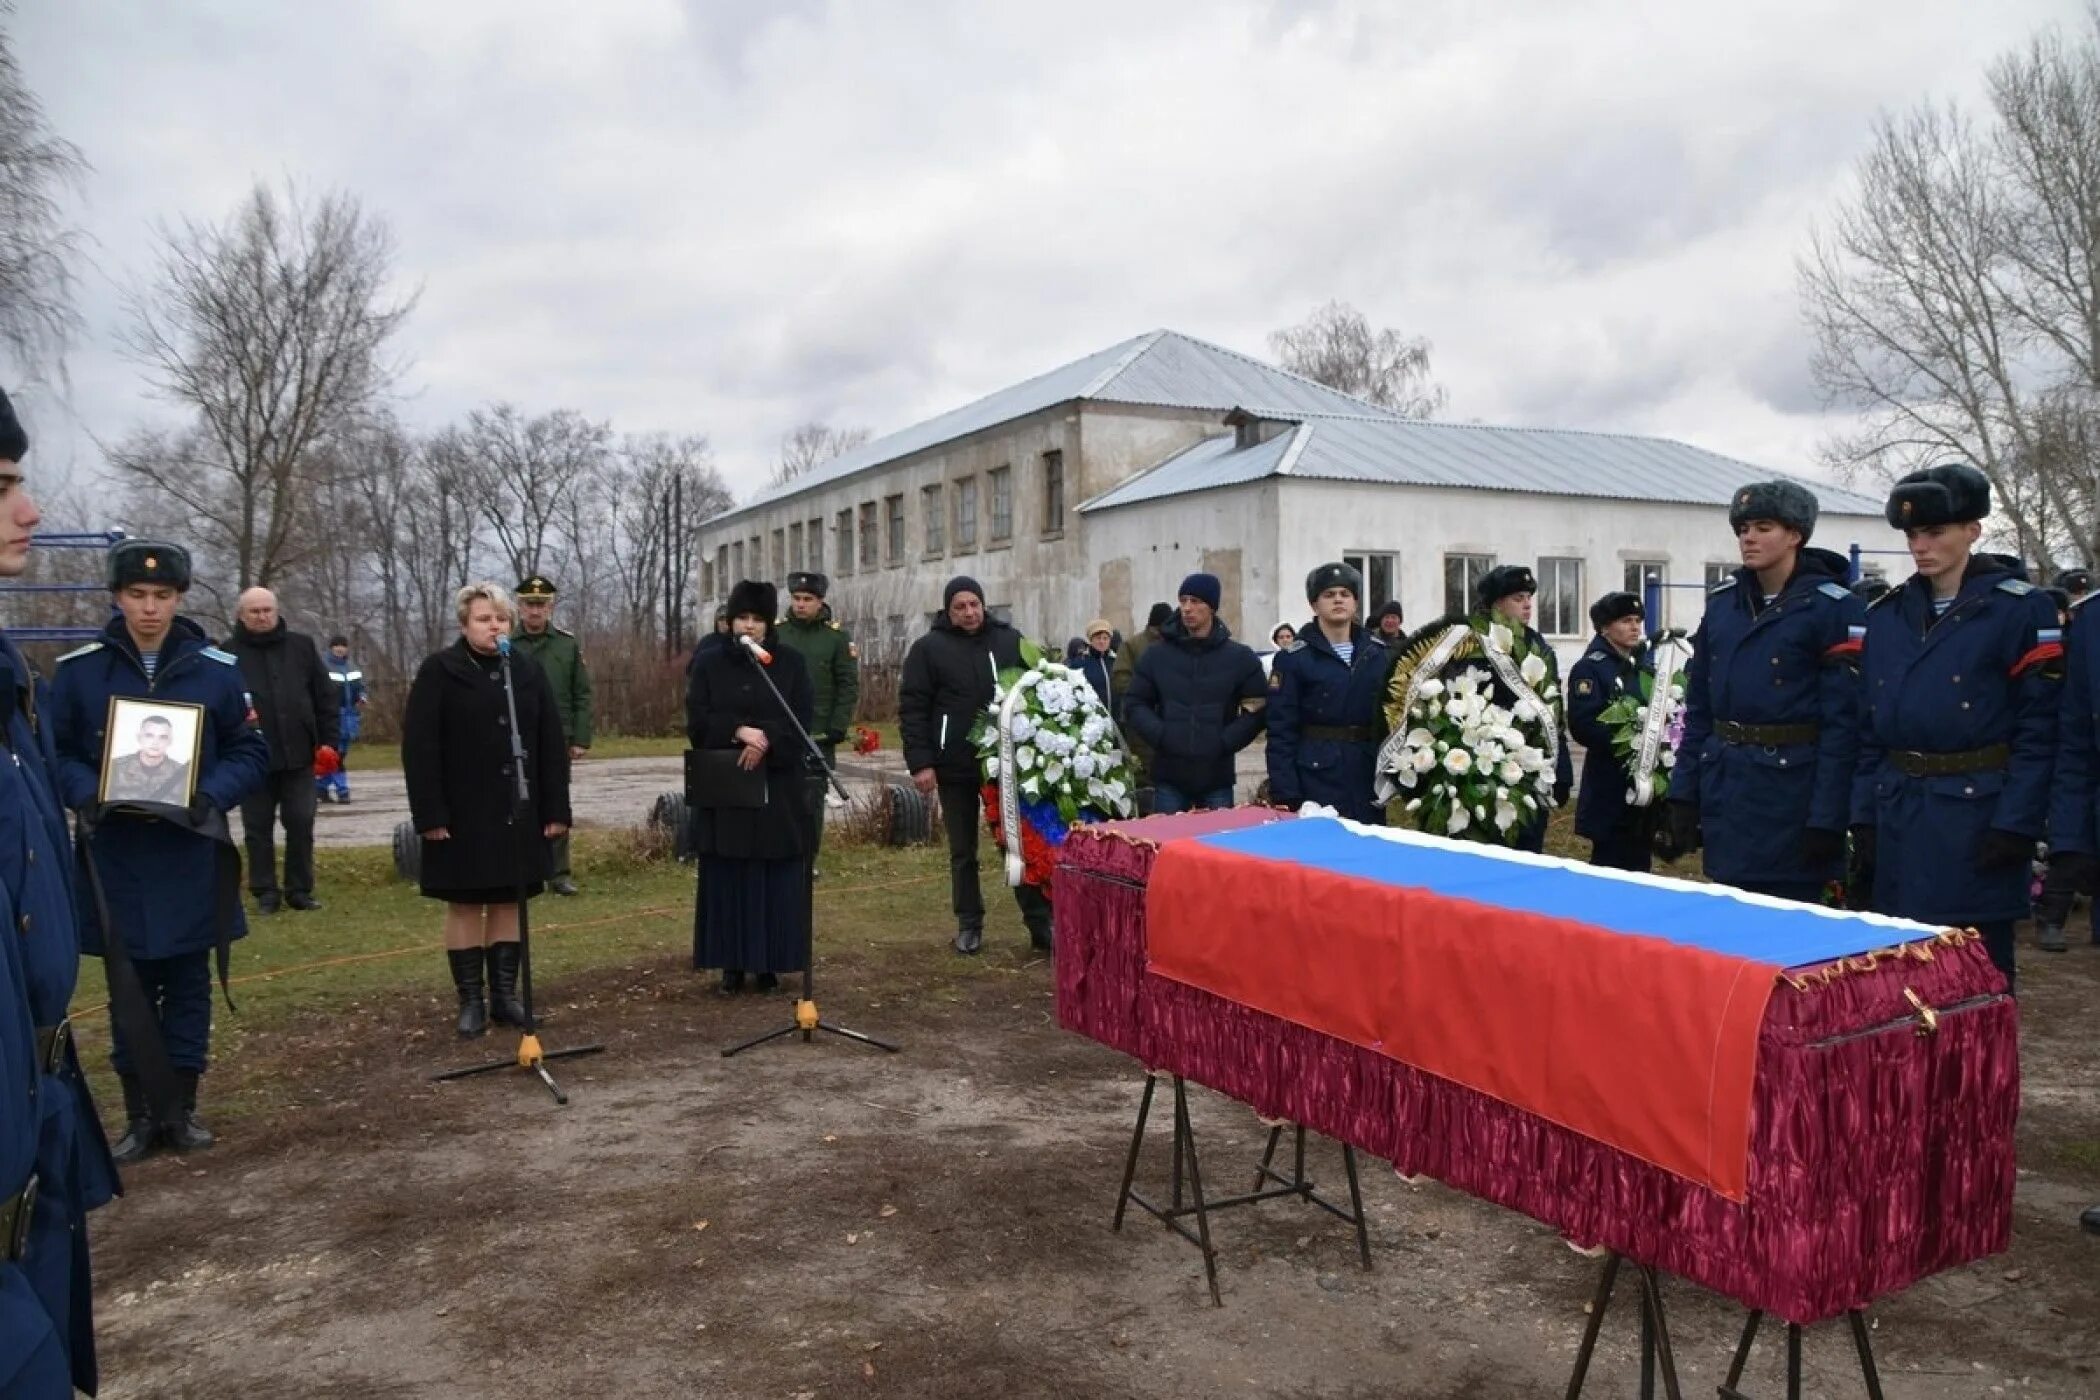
<point>1771,707</point>
<point>347,679</point>
<point>54,1163</point>
<point>1197,699</point>
<point>1326,711</point>
<point>1617,663</point>
<point>164,877</point>
<point>1962,669</point>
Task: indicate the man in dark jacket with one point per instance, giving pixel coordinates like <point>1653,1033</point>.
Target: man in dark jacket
<point>1621,835</point>
<point>294,704</point>
<point>1197,699</point>
<point>1326,711</point>
<point>949,676</point>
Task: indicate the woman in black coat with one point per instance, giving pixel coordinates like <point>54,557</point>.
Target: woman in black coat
<point>751,912</point>
<point>455,753</point>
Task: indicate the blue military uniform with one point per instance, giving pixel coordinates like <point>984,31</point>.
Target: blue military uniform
<point>2074,797</point>
<point>1326,719</point>
<point>348,678</point>
<point>161,878</point>
<point>33,1364</point>
<point>1621,835</point>
<point>75,1174</point>
<point>1958,741</point>
<point>1771,728</point>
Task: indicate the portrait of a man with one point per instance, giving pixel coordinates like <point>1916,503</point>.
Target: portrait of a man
<point>150,752</point>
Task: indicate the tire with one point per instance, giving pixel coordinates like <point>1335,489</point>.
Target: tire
<point>672,815</point>
<point>910,818</point>
<point>408,852</point>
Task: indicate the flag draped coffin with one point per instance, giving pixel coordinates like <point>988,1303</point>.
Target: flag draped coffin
<point>1802,1109</point>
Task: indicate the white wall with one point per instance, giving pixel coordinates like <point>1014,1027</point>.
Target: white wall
<point>1159,543</point>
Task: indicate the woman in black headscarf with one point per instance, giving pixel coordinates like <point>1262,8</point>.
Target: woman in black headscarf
<point>752,909</point>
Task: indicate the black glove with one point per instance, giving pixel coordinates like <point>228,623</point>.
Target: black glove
<point>2002,850</point>
<point>833,737</point>
<point>1560,794</point>
<point>1859,874</point>
<point>1681,827</point>
<point>201,810</point>
<point>1820,845</point>
<point>1866,845</point>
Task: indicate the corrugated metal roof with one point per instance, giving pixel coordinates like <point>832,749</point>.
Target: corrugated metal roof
<point>1409,452</point>
<point>1160,368</point>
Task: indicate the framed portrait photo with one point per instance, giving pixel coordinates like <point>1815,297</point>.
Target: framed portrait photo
<point>150,751</point>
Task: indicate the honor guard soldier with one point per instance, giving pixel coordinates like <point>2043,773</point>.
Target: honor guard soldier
<point>1771,719</point>
<point>1326,710</point>
<point>561,657</point>
<point>161,875</point>
<point>1618,662</point>
<point>1962,669</point>
<point>54,1162</point>
<point>833,660</point>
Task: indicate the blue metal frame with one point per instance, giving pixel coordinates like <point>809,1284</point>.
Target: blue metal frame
<point>63,539</point>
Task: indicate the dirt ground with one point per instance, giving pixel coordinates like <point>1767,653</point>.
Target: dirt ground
<point>822,1220</point>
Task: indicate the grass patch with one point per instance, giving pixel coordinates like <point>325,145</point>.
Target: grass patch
<point>376,758</point>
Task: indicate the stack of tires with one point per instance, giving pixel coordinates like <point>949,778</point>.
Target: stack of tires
<point>673,816</point>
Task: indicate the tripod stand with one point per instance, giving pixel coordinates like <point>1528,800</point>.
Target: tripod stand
<point>807,1020</point>
<point>530,1055</point>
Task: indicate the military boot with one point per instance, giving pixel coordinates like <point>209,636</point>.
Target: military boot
<point>1039,935</point>
<point>140,1135</point>
<point>466,978</point>
<point>504,1007</point>
<point>2049,937</point>
<point>186,1134</point>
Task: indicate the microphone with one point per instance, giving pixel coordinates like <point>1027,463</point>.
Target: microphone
<point>503,646</point>
<point>765,658</point>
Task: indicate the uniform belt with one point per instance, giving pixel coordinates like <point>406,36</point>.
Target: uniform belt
<point>1771,735</point>
<point>1939,765</point>
<point>15,1213</point>
<point>1342,733</point>
<point>51,1045</point>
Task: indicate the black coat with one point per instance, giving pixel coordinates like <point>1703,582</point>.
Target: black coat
<point>293,697</point>
<point>1197,702</point>
<point>1594,683</point>
<point>723,693</point>
<point>949,676</point>
<point>455,753</point>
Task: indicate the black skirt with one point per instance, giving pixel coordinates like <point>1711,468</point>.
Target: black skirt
<point>750,915</point>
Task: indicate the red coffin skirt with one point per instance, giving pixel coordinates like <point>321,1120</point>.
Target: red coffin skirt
<point>1878,1156</point>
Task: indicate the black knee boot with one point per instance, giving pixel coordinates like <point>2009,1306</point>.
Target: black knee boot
<point>504,1007</point>
<point>466,979</point>
<point>186,1134</point>
<point>139,1131</point>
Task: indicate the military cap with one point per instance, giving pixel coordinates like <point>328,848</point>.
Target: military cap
<point>2076,582</point>
<point>1614,606</point>
<point>1502,581</point>
<point>14,442</point>
<point>536,587</point>
<point>1870,588</point>
<point>1949,494</point>
<point>808,581</point>
<point>149,561</point>
<point>1789,503</point>
<point>1333,576</point>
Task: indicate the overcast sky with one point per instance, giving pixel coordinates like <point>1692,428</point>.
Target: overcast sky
<point>728,216</point>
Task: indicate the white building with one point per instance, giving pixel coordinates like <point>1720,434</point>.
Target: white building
<point>1093,489</point>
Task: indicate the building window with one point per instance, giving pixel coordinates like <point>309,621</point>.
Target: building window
<point>1560,611</point>
<point>722,575</point>
<point>870,638</point>
<point>780,555</point>
<point>966,514</point>
<point>898,631</point>
<point>1640,575</point>
<point>893,509</point>
<point>1462,573</point>
<point>1718,574</point>
<point>1053,493</point>
<point>816,546</point>
<point>707,578</point>
<point>845,540</point>
<point>1002,504</point>
<point>933,508</point>
<point>795,546</point>
<point>736,562</point>
<point>1379,571</point>
<point>869,544</point>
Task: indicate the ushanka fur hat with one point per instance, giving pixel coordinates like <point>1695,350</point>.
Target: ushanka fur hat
<point>1786,502</point>
<point>1332,576</point>
<point>1942,495</point>
<point>1501,582</point>
<point>756,598</point>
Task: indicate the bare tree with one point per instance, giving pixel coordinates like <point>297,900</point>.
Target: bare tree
<point>1953,297</point>
<point>1337,347</point>
<point>812,444</point>
<point>273,330</point>
<point>530,471</point>
<point>36,248</point>
<point>660,487</point>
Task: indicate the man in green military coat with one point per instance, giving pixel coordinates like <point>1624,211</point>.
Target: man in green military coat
<point>828,650</point>
<point>561,657</point>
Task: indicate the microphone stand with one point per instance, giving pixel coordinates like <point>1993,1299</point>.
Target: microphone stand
<point>807,1019</point>
<point>530,1056</point>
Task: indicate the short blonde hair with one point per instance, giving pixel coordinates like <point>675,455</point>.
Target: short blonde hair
<point>473,593</point>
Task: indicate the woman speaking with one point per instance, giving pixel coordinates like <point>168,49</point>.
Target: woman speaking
<point>456,756</point>
<point>752,814</point>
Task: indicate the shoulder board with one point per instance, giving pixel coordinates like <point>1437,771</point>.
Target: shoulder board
<point>1889,597</point>
<point>560,631</point>
<point>88,650</point>
<point>1295,646</point>
<point>1594,656</point>
<point>833,625</point>
<point>2018,587</point>
<point>1833,590</point>
<point>1723,586</point>
<point>2083,599</point>
<point>224,658</point>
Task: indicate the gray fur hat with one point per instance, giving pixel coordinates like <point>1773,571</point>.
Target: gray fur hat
<point>1790,503</point>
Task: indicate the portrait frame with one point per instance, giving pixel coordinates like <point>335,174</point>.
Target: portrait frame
<point>123,740</point>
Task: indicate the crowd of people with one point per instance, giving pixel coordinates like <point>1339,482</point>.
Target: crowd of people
<point>1906,749</point>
